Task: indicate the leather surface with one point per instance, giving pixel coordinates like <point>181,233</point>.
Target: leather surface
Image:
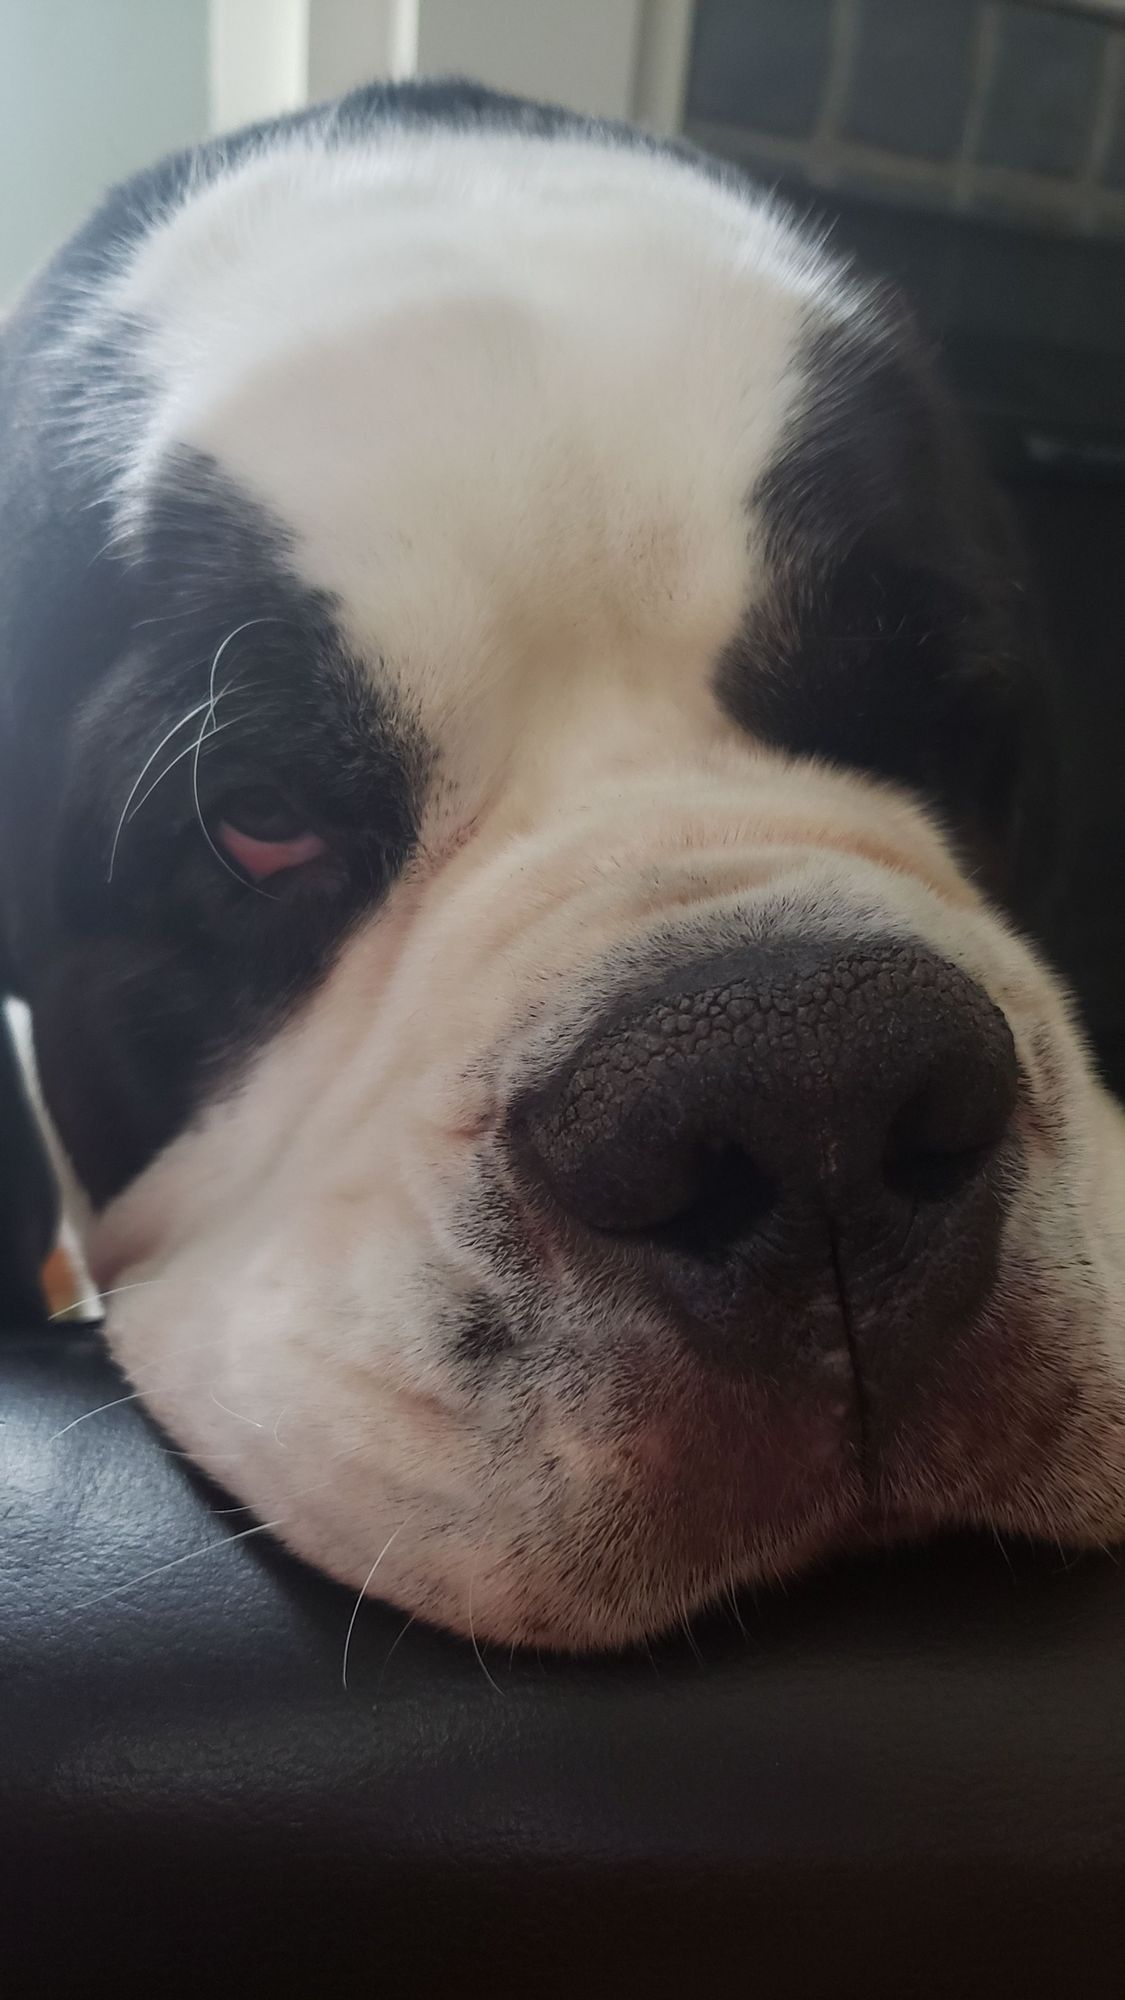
<point>906,1775</point>
<point>28,1206</point>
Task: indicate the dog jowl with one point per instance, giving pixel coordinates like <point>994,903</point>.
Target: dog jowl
<point>520,807</point>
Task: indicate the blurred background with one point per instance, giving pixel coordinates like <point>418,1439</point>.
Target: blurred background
<point>972,149</point>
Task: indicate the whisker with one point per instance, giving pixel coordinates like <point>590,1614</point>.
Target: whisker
<point>207,727</point>
<point>178,759</point>
<point>220,1405</point>
<point>193,1555</point>
<point>732,1600</point>
<point>192,1457</point>
<point>145,768</point>
<point>1003,1548</point>
<point>359,1601</point>
<point>86,1414</point>
<point>689,1635</point>
<point>203,828</point>
<point>390,1656</point>
<point>472,1635</point>
<point>209,703</point>
<point>97,1298</point>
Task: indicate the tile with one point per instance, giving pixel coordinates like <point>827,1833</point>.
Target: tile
<point>1113,173</point>
<point>897,189</point>
<point>785,176</point>
<point>1031,202</point>
<point>757,162</point>
<point>1040,103</point>
<point>760,63</point>
<point>911,75</point>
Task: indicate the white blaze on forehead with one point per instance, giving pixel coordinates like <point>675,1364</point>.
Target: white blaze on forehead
<point>509,395</point>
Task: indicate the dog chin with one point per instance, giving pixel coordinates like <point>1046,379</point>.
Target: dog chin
<point>531,1518</point>
<point>629,1595</point>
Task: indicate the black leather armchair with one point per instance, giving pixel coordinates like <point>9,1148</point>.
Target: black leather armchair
<point>902,1776</point>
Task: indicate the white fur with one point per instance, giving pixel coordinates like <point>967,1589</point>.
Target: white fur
<point>511,398</point>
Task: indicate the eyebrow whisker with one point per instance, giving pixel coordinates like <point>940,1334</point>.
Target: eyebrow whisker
<point>187,751</point>
<point>208,727</point>
<point>145,768</point>
<point>206,708</point>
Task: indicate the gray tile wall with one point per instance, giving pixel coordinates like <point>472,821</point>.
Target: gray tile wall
<point>1042,92</point>
<point>761,65</point>
<point>1010,109</point>
<point>910,75</point>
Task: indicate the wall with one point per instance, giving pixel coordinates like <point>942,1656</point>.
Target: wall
<point>1004,108</point>
<point>90,90</point>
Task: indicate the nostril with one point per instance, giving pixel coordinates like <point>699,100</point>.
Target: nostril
<point>730,1197</point>
<point>941,1140</point>
<point>929,1173</point>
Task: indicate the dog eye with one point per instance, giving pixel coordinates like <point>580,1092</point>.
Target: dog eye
<point>264,834</point>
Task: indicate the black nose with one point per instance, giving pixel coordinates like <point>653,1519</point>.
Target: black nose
<point>868,1085</point>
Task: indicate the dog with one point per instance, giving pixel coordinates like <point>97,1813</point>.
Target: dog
<point>521,817</point>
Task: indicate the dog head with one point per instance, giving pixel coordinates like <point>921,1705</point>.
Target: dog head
<point>518,744</point>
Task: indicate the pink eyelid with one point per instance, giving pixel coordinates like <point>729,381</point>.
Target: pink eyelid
<point>261,858</point>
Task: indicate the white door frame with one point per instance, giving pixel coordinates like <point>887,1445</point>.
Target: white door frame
<point>614,58</point>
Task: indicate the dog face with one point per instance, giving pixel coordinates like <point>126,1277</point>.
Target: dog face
<point>517,749</point>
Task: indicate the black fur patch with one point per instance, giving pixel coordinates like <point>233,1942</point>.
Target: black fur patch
<point>153,966</point>
<point>147,987</point>
<point>483,1333</point>
<point>895,636</point>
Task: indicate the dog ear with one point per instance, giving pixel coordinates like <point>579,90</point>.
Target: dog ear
<point>29,1212</point>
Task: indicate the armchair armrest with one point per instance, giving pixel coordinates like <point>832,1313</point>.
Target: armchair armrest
<point>906,1775</point>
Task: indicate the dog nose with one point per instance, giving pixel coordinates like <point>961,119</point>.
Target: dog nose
<point>862,1085</point>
